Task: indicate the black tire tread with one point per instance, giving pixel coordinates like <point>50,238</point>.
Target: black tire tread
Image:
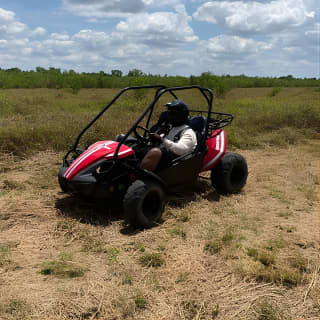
<point>131,203</point>
<point>63,184</point>
<point>220,174</point>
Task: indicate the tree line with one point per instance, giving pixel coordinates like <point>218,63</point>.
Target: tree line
<point>55,78</point>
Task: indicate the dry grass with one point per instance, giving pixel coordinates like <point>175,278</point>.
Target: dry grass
<point>249,256</point>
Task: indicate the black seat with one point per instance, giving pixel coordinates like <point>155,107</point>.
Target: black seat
<point>198,125</point>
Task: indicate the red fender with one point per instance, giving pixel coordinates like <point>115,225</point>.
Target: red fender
<point>97,151</point>
<point>217,145</point>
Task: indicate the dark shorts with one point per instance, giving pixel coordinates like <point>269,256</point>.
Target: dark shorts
<point>166,157</point>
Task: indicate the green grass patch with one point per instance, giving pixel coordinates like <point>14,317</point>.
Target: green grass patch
<point>275,91</point>
<point>274,244</point>
<point>140,300</point>
<point>178,231</point>
<point>62,267</point>
<point>264,257</point>
<point>9,185</point>
<point>230,239</point>
<point>14,308</point>
<point>193,309</point>
<point>265,309</point>
<point>127,278</point>
<point>129,306</point>
<point>5,254</point>
<point>299,263</point>
<point>152,260</point>
<point>213,246</point>
<point>271,266</point>
<point>112,255</point>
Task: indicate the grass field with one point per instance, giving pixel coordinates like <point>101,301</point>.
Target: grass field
<point>38,119</point>
<point>250,256</point>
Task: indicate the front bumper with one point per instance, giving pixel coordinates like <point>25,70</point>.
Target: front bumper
<point>85,185</point>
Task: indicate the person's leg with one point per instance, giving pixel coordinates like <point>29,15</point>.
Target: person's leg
<point>151,160</point>
<point>166,159</point>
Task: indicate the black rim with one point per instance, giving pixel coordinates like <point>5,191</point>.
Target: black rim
<point>151,205</point>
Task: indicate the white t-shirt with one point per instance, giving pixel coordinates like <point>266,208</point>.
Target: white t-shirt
<point>186,144</point>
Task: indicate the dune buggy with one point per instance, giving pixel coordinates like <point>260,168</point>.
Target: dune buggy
<point>110,169</point>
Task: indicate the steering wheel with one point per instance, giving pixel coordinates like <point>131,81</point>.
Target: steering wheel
<point>139,136</point>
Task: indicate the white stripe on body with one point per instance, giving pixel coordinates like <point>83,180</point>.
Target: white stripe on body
<point>221,149</point>
<point>75,164</point>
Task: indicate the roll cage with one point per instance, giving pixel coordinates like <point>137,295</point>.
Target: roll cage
<point>214,120</point>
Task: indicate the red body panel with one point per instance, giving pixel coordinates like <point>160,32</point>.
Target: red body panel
<point>217,146</point>
<point>97,151</point>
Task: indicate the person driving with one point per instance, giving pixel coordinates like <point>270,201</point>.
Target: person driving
<point>180,140</point>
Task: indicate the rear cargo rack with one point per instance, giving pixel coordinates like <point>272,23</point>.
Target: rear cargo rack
<point>218,120</point>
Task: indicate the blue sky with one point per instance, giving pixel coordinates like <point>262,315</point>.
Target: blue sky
<point>175,37</point>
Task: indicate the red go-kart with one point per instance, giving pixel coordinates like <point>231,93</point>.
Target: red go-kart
<point>110,169</point>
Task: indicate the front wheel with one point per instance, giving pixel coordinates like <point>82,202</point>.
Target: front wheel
<point>230,174</point>
<point>143,203</point>
<point>62,181</point>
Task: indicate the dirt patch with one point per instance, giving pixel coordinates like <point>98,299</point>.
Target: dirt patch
<point>222,257</point>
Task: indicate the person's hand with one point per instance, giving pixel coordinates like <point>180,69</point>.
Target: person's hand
<point>155,137</point>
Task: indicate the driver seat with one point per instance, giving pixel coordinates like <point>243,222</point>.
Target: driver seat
<point>185,169</point>
<point>198,124</point>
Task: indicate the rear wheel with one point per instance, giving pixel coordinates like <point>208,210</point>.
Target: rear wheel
<point>230,174</point>
<point>144,203</point>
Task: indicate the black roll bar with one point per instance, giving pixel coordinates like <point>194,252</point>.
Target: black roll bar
<point>159,87</point>
<point>161,90</point>
<point>207,93</point>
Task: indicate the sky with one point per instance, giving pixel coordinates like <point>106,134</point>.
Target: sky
<point>175,37</point>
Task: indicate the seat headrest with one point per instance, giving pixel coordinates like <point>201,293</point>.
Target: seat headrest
<point>198,123</point>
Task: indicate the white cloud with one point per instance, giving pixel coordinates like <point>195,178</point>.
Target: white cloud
<point>226,54</point>
<point>39,31</point>
<point>98,9</point>
<point>230,46</point>
<point>315,31</point>
<point>160,28</point>
<point>8,25</point>
<point>6,16</point>
<point>3,43</point>
<point>103,8</point>
<point>306,37</point>
<point>255,17</point>
<point>124,6</point>
<point>16,27</point>
<point>162,3</point>
<point>59,36</point>
<point>27,51</point>
<point>114,8</point>
<point>91,40</point>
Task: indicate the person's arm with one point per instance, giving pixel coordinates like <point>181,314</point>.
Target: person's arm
<point>186,143</point>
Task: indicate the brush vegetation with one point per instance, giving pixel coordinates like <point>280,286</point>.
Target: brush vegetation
<point>56,78</point>
<point>41,119</point>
